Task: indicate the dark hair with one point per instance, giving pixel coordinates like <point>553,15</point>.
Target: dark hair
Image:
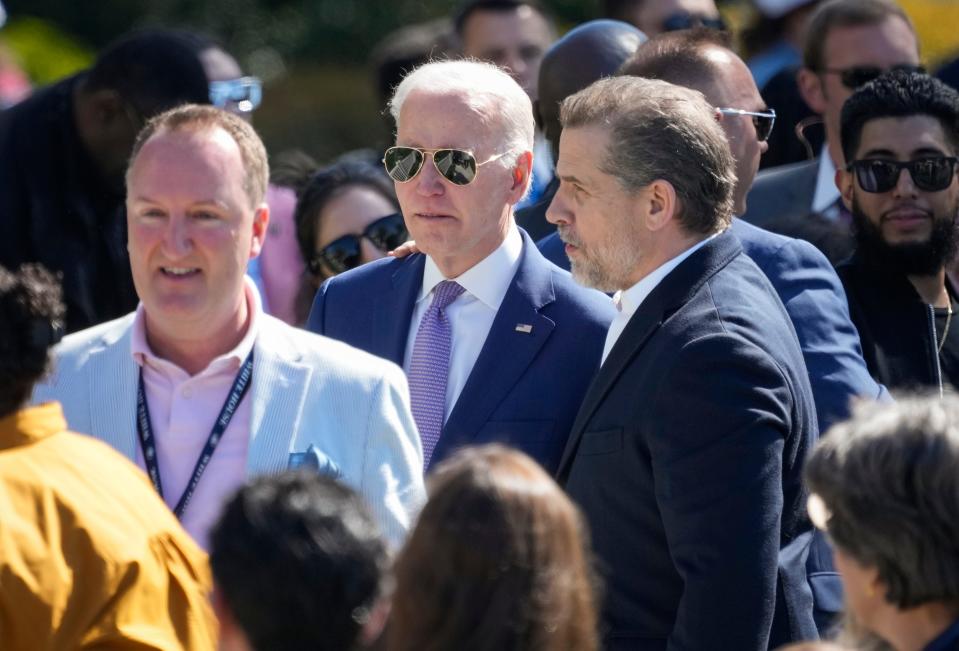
<point>299,561</point>
<point>844,13</point>
<point>619,9</point>
<point>469,7</point>
<point>889,479</point>
<point>678,57</point>
<point>292,169</point>
<point>31,321</point>
<point>898,94</point>
<point>323,186</point>
<point>658,130</point>
<point>152,69</point>
<point>498,561</point>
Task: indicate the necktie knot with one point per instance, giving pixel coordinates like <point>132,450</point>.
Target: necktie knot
<point>445,293</point>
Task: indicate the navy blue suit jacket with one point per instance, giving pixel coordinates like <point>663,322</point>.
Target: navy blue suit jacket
<point>814,298</point>
<point>524,389</point>
<point>686,459</point>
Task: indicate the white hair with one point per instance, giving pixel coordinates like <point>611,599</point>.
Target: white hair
<point>486,88</point>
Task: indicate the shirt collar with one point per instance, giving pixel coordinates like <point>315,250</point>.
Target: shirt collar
<point>628,300</point>
<point>826,192</point>
<point>489,279</point>
<point>142,354</point>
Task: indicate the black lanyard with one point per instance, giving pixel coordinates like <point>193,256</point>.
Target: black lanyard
<point>147,442</point>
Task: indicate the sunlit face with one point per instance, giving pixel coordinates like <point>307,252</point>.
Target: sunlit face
<point>192,230</point>
<point>885,45</point>
<point>349,212</point>
<point>734,87</point>
<point>457,225</point>
<point>905,215</point>
<point>595,216</point>
<point>515,39</point>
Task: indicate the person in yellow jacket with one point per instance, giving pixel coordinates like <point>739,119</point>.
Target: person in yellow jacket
<point>90,556</point>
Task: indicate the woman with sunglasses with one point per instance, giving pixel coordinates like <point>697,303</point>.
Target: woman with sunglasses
<point>347,215</point>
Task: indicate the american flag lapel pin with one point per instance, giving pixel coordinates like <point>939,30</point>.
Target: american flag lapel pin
<point>524,328</point>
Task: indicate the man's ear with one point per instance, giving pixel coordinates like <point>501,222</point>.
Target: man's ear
<point>661,204</point>
<point>520,176</point>
<point>261,221</point>
<point>812,91</point>
<point>844,181</point>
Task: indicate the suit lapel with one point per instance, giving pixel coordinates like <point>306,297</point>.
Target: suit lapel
<point>278,389</point>
<point>675,290</point>
<point>507,352</point>
<point>394,310</point>
<point>113,376</point>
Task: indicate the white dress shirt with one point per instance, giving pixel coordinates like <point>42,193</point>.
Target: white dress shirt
<point>827,194</point>
<point>627,301</point>
<point>471,314</point>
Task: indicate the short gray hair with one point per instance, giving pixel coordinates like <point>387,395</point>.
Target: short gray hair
<point>487,88</point>
<point>889,478</point>
<point>659,131</point>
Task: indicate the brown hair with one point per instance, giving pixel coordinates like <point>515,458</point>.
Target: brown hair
<point>844,13</point>
<point>661,131</point>
<point>498,561</point>
<point>195,117</point>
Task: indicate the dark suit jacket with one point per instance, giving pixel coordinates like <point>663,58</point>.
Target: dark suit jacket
<point>816,303</point>
<point>686,459</point>
<point>780,193</point>
<point>524,389</point>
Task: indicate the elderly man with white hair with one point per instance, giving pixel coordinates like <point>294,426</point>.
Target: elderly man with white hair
<point>497,343</point>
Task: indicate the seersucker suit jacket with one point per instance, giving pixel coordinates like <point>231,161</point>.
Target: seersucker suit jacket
<point>309,393</point>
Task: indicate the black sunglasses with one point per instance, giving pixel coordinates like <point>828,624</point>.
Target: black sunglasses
<point>683,20</point>
<point>762,120</point>
<point>343,253</point>
<point>928,174</point>
<point>857,76</point>
<point>455,165</point>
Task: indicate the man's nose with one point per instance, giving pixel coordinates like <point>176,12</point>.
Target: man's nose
<point>428,181</point>
<point>177,239</point>
<point>905,186</point>
<point>556,212</point>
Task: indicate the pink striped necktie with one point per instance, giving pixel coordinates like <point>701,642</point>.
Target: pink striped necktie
<point>429,367</point>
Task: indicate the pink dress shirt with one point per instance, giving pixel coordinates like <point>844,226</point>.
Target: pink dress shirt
<point>182,412</point>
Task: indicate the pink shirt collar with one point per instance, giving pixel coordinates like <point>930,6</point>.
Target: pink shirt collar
<point>231,360</point>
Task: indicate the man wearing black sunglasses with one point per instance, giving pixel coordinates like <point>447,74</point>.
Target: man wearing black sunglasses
<point>900,134</point>
<point>848,43</point>
<point>498,344</point>
<point>658,16</point>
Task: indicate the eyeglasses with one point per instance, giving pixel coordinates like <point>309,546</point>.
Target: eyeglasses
<point>928,174</point>
<point>683,20</point>
<point>242,95</point>
<point>455,165</point>
<point>857,76</point>
<point>343,253</point>
<point>762,120</point>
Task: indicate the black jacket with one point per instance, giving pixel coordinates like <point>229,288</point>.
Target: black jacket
<point>897,329</point>
<point>55,209</point>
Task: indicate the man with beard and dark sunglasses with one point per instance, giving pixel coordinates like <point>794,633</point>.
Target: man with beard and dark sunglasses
<point>900,134</point>
<point>848,43</point>
<point>498,344</point>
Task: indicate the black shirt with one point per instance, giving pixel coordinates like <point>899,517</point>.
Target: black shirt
<point>949,353</point>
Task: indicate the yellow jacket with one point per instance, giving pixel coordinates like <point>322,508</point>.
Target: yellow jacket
<point>90,557</point>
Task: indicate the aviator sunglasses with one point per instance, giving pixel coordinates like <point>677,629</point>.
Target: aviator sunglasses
<point>455,165</point>
<point>928,174</point>
<point>344,253</point>
<point>762,120</point>
<point>858,76</point>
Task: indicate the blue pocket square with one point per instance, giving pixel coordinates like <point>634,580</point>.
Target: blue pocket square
<point>314,459</point>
